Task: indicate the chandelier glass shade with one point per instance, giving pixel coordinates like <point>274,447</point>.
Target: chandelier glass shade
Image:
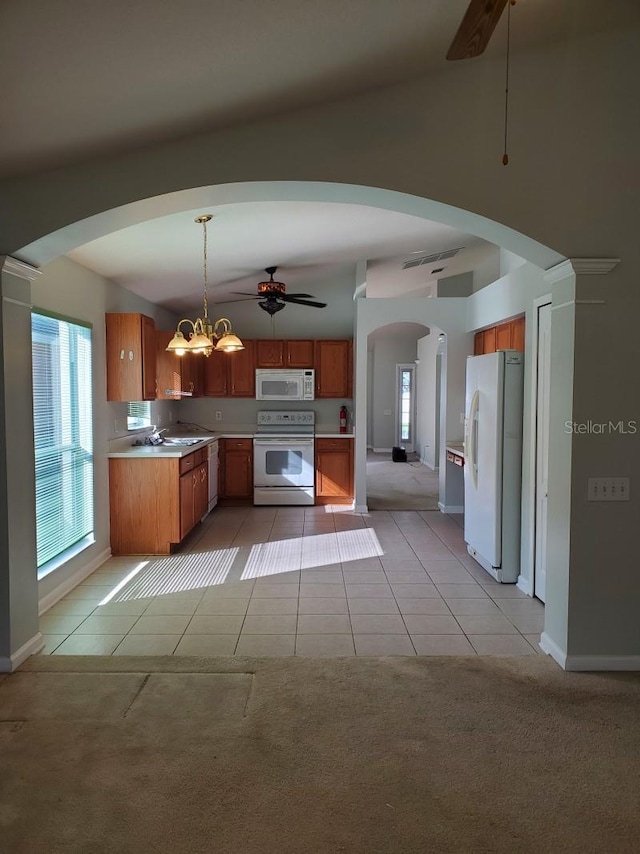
<point>205,335</point>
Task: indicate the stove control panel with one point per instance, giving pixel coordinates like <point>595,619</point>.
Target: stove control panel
<point>281,418</point>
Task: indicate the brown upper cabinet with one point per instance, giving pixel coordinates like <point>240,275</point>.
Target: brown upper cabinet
<point>284,354</point>
<point>178,376</point>
<point>505,336</point>
<point>131,357</point>
<point>231,374</point>
<point>334,368</point>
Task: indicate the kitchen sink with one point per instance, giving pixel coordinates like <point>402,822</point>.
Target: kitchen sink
<point>171,441</point>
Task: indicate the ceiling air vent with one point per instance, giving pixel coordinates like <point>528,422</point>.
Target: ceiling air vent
<point>430,259</point>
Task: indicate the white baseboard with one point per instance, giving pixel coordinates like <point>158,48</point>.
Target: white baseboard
<point>551,648</point>
<point>360,508</point>
<point>381,450</point>
<point>588,662</point>
<point>10,663</point>
<point>72,581</point>
<point>525,585</point>
<point>449,508</point>
<point>602,662</point>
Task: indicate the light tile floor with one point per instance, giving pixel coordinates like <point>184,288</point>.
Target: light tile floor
<point>318,581</point>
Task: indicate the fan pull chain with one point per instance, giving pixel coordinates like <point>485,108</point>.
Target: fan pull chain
<point>505,156</point>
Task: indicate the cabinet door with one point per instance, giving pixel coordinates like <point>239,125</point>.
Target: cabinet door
<point>332,369</point>
<point>503,336</point>
<point>517,334</point>
<point>187,503</point>
<point>270,354</point>
<point>478,344</point>
<point>236,468</point>
<point>192,374</point>
<point>299,354</point>
<point>489,340</point>
<point>202,491</point>
<point>242,371</point>
<point>334,470</point>
<point>168,368</point>
<point>148,336</point>
<point>216,374</point>
<point>130,339</point>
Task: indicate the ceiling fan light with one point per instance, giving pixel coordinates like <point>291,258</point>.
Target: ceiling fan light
<point>230,343</point>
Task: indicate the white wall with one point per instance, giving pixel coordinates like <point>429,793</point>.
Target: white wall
<point>70,289</point>
<point>426,393</point>
<point>386,354</point>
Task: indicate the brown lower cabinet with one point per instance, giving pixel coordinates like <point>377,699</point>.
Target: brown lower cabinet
<point>235,459</point>
<point>156,501</point>
<point>334,471</point>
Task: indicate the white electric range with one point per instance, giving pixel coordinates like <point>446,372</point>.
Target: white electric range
<point>283,457</point>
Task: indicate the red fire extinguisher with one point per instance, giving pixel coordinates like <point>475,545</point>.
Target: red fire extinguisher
<point>343,419</point>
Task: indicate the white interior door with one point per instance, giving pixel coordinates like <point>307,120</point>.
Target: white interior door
<point>542,448</point>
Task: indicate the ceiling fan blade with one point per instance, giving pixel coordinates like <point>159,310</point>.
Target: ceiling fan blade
<point>246,294</point>
<point>304,296</point>
<point>304,302</point>
<point>476,28</point>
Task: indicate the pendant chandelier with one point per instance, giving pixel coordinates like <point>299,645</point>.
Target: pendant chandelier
<point>205,336</point>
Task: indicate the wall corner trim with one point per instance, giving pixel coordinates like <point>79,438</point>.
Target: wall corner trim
<point>580,267</point>
<point>18,268</point>
<point>10,663</point>
<point>551,648</point>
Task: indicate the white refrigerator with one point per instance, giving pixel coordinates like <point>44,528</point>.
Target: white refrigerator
<point>493,462</point>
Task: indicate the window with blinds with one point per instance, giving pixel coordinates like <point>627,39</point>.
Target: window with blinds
<point>138,414</point>
<point>63,430</point>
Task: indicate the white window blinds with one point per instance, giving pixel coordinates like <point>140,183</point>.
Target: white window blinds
<point>63,429</point>
<point>138,415</point>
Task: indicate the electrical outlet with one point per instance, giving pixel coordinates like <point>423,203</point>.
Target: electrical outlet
<point>218,415</point>
<point>608,489</point>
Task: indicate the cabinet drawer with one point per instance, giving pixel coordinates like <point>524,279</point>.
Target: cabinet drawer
<point>239,444</point>
<point>187,463</point>
<point>333,444</point>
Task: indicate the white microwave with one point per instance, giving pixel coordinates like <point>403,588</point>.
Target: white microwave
<point>285,384</point>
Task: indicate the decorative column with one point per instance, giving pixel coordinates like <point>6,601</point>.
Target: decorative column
<point>19,635</point>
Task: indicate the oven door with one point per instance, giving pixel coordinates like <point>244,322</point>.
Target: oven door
<point>279,462</point>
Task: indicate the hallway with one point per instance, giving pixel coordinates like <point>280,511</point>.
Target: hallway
<point>319,581</point>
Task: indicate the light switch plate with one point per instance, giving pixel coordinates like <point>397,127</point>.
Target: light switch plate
<point>608,489</point>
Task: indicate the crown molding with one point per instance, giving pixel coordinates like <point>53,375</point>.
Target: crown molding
<point>18,268</point>
<point>580,267</point>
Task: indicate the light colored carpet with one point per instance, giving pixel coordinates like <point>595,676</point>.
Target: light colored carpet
<point>400,486</point>
<point>317,756</point>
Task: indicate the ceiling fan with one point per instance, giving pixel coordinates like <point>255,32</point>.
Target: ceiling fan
<point>273,296</point>
<point>476,28</point>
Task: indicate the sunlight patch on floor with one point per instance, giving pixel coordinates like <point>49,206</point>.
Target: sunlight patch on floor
<point>175,575</point>
<point>311,551</point>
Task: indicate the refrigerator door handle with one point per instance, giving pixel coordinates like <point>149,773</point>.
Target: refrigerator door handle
<point>471,440</point>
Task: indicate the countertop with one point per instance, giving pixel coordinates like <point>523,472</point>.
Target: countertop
<point>124,449</point>
<point>455,448</point>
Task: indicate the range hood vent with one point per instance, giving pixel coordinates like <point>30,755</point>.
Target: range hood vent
<point>430,259</point>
